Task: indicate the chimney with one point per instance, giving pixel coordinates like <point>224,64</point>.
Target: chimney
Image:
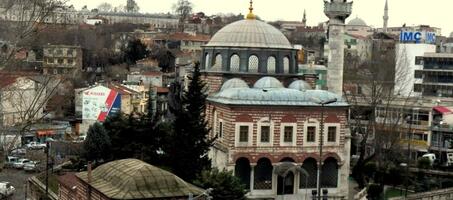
<point>89,172</point>
<point>310,76</point>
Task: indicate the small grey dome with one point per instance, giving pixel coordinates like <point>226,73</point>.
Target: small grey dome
<point>300,85</point>
<point>250,33</point>
<point>357,22</point>
<point>267,83</point>
<point>234,83</point>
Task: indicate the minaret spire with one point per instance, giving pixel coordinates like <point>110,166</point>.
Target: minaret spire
<point>386,16</point>
<point>304,20</point>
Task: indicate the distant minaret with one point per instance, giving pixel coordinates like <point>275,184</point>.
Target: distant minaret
<point>386,16</point>
<point>304,20</point>
<point>337,11</point>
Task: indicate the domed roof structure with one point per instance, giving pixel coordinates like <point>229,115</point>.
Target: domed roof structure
<point>300,85</point>
<point>234,83</point>
<point>250,33</point>
<point>270,92</point>
<point>268,82</point>
<point>357,22</point>
<point>139,180</point>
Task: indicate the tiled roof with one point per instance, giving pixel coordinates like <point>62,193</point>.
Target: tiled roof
<point>184,37</point>
<point>68,180</point>
<point>135,179</point>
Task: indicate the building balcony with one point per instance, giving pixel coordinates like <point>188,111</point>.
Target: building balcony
<point>337,9</point>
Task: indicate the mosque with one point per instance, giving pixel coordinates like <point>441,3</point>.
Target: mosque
<point>268,119</point>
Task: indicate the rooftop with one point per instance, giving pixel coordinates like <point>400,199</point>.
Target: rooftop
<point>270,91</point>
<point>135,179</point>
<point>250,33</point>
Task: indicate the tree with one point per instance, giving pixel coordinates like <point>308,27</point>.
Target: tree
<point>29,15</point>
<point>97,144</point>
<point>183,8</point>
<point>135,51</point>
<point>188,145</point>
<point>225,186</point>
<point>132,6</point>
<point>134,137</point>
<point>105,7</point>
<point>377,114</point>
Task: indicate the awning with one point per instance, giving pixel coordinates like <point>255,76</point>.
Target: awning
<point>43,133</point>
<point>442,109</point>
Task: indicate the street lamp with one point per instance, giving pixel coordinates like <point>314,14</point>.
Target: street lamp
<point>321,140</point>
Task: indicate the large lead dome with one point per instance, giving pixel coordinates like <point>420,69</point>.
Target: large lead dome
<point>250,33</point>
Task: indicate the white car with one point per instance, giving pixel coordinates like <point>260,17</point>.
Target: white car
<point>32,166</point>
<point>6,189</point>
<point>20,163</point>
<point>36,145</point>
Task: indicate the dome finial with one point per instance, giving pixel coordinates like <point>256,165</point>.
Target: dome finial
<point>251,15</point>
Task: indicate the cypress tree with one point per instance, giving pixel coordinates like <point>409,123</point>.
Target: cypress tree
<point>97,145</point>
<point>188,144</point>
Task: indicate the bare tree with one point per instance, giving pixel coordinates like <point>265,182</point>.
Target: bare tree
<point>377,114</point>
<point>24,19</point>
<point>105,7</point>
<point>183,8</point>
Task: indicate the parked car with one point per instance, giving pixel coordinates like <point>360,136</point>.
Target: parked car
<point>19,151</point>
<point>32,166</point>
<point>6,189</point>
<point>10,160</point>
<point>20,163</point>
<point>36,145</point>
<point>431,157</point>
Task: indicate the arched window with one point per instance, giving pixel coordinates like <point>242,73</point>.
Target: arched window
<point>329,173</point>
<point>253,63</point>
<point>263,175</point>
<point>235,63</point>
<point>271,64</point>
<point>311,168</point>
<point>218,62</point>
<point>242,171</point>
<point>285,65</point>
<point>207,61</point>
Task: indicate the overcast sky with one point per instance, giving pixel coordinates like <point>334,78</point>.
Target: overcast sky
<point>436,13</point>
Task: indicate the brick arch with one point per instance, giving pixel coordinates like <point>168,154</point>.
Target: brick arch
<point>289,119</point>
<point>239,156</point>
<point>244,118</point>
<point>331,155</point>
<point>310,155</point>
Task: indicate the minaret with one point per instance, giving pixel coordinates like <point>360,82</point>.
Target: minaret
<point>304,20</point>
<point>337,11</point>
<point>386,16</point>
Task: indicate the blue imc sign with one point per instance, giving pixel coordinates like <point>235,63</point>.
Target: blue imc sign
<point>418,37</point>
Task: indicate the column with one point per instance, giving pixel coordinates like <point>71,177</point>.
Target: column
<point>252,177</point>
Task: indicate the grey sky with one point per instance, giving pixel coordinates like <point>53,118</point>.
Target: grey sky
<point>433,12</point>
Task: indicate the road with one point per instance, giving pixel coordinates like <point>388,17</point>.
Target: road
<point>18,179</point>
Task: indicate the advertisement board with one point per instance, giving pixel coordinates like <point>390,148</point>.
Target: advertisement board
<point>418,37</point>
<point>99,103</point>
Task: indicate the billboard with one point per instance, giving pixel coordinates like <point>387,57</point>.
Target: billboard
<point>100,102</point>
<point>418,37</point>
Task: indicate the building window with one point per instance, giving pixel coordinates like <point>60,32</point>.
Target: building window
<point>234,63</point>
<point>218,62</point>
<point>207,61</point>
<point>332,134</point>
<point>285,65</point>
<point>59,52</point>
<point>253,63</point>
<point>265,134</point>
<point>243,134</point>
<point>60,61</point>
<point>70,61</point>
<point>288,134</point>
<point>271,64</point>
<point>70,52</point>
<point>311,134</point>
<point>220,133</point>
